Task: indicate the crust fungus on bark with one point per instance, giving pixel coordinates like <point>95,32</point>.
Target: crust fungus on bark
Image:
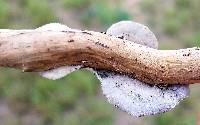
<point>32,50</point>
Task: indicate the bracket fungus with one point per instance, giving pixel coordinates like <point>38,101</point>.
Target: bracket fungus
<point>131,95</point>
<point>128,94</point>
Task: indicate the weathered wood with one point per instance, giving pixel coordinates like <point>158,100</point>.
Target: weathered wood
<point>32,50</point>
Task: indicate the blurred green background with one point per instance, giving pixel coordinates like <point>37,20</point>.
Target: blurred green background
<point>28,99</point>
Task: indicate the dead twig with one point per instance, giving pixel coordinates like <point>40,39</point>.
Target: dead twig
<point>32,50</point>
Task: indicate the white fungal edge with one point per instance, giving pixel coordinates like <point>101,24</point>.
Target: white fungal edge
<point>53,27</point>
<point>139,99</point>
<point>135,32</point>
<point>60,72</point>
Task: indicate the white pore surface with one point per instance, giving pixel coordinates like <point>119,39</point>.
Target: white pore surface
<point>59,72</point>
<point>139,99</point>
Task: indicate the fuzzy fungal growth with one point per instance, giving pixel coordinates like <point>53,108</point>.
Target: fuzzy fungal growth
<point>128,94</point>
<point>139,99</point>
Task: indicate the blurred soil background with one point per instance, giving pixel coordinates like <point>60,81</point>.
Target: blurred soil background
<point>28,99</point>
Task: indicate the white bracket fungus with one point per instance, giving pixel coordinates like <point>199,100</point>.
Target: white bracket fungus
<point>128,94</point>
<point>140,99</point>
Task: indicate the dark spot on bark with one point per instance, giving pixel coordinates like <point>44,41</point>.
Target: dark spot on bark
<point>101,44</point>
<point>162,67</point>
<point>197,48</point>
<point>71,40</point>
<point>88,47</point>
<point>103,32</point>
<point>136,59</point>
<point>21,33</point>
<point>67,31</point>
<point>132,75</point>
<point>145,67</point>
<point>84,32</point>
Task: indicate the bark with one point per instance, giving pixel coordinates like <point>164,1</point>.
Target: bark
<point>33,51</point>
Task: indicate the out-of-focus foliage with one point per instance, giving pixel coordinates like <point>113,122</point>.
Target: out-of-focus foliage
<point>75,94</point>
<point>104,14</point>
<point>77,99</point>
<point>40,12</point>
<point>179,18</point>
<point>76,3</point>
<point>98,12</point>
<point>4,13</point>
<point>176,118</point>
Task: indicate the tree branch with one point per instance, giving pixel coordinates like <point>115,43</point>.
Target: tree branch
<point>32,50</point>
